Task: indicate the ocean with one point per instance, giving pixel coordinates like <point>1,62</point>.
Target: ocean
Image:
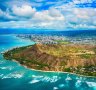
<point>49,32</point>
<point>13,76</point>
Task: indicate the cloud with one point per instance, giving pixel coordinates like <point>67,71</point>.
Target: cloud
<point>83,1</point>
<point>23,11</point>
<point>84,13</point>
<point>55,13</point>
<point>61,15</point>
<point>40,19</point>
<point>78,18</point>
<point>5,15</point>
<point>49,15</point>
<point>1,13</point>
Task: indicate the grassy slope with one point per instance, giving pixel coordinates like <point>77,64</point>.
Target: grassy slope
<point>79,59</point>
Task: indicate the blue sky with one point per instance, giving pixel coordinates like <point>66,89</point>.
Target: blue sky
<point>48,14</point>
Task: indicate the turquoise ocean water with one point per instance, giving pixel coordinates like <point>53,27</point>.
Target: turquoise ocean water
<point>13,76</point>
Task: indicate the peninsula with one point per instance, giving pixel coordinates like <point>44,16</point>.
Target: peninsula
<point>79,59</point>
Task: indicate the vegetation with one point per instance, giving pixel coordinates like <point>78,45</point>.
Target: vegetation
<point>79,59</point>
<point>87,56</point>
<point>62,42</point>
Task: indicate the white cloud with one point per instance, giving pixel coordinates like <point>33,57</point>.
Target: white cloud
<point>84,13</point>
<point>45,18</point>
<point>42,16</point>
<point>6,14</point>
<point>1,13</point>
<point>82,1</point>
<point>65,16</point>
<point>23,11</point>
<point>49,15</point>
<point>78,17</point>
<point>56,13</point>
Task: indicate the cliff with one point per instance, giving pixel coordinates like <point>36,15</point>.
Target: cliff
<point>80,59</point>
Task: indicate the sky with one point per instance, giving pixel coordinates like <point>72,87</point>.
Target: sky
<point>48,14</point>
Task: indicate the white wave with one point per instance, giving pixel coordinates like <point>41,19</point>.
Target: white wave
<point>91,84</point>
<point>61,85</point>
<point>68,78</point>
<point>46,78</point>
<point>78,83</point>
<point>6,77</point>
<point>8,67</point>
<point>77,78</point>
<point>17,75</point>
<point>54,79</point>
<point>34,81</point>
<point>55,88</point>
<point>2,67</point>
<point>14,75</point>
<point>34,76</point>
<point>1,75</point>
<point>51,79</point>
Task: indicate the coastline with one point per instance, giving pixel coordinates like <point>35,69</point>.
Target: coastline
<point>53,71</point>
<point>43,70</point>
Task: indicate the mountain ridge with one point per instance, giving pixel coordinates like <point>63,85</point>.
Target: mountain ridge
<point>56,57</point>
